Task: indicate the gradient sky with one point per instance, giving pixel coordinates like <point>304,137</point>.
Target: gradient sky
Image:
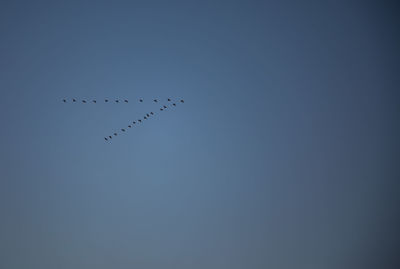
<point>284,155</point>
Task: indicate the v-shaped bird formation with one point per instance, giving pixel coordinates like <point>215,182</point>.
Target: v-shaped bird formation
<point>170,103</point>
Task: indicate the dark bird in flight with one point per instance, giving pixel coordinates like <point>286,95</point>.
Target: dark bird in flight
<point>106,100</point>
<point>165,107</point>
<point>182,101</point>
<point>64,100</point>
<point>116,101</point>
<point>73,100</point>
<point>115,134</point>
<point>141,100</point>
<point>129,126</point>
<point>83,101</point>
<point>106,138</point>
<point>161,109</point>
<point>155,100</point>
<point>139,120</point>
<point>169,100</point>
<point>151,113</point>
<point>126,101</point>
<point>174,104</point>
<point>94,101</point>
<point>110,136</point>
<point>145,118</point>
<point>134,122</point>
<point>147,115</point>
<point>123,130</point>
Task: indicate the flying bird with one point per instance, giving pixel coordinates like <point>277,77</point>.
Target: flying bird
<point>129,126</point>
<point>126,101</point>
<point>165,106</point>
<point>106,100</point>
<point>139,120</point>
<point>115,134</point>
<point>73,100</point>
<point>83,101</point>
<point>145,118</point>
<point>151,113</point>
<point>123,130</point>
<point>116,101</point>
<point>174,104</point>
<point>94,101</point>
<point>134,122</point>
<point>147,115</point>
<point>161,109</point>
<point>155,100</point>
<point>110,136</point>
<point>106,138</point>
<point>141,100</point>
<point>182,101</point>
<point>64,100</point>
<point>169,100</point>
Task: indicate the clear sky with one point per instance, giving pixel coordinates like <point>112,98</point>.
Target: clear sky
<point>284,155</point>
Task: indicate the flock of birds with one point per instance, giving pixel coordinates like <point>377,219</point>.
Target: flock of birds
<point>138,121</point>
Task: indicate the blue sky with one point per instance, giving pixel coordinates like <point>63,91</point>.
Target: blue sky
<point>282,156</point>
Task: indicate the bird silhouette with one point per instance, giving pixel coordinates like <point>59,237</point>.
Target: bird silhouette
<point>139,120</point>
<point>141,100</point>
<point>161,109</point>
<point>169,100</point>
<point>126,101</point>
<point>134,122</point>
<point>182,101</point>
<point>73,100</point>
<point>64,100</point>
<point>145,118</point>
<point>174,104</point>
<point>123,130</point>
<point>155,100</point>
<point>83,101</point>
<point>94,101</point>
<point>147,115</point>
<point>116,101</point>
<point>115,134</point>
<point>129,126</point>
<point>151,113</point>
<point>110,136</point>
<point>106,100</point>
<point>165,107</point>
<point>106,138</point>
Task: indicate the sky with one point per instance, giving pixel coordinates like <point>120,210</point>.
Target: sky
<point>284,155</point>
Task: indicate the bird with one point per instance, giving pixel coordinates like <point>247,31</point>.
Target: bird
<point>161,109</point>
<point>182,101</point>
<point>83,101</point>
<point>151,113</point>
<point>165,106</point>
<point>73,100</point>
<point>129,126</point>
<point>141,100</point>
<point>147,115</point>
<point>94,101</point>
<point>110,136</point>
<point>139,120</point>
<point>145,118</point>
<point>106,100</point>
<point>174,104</point>
<point>64,100</point>
<point>106,138</point>
<point>123,130</point>
<point>126,101</point>
<point>134,122</point>
<point>155,100</point>
<point>169,100</point>
<point>116,101</point>
<point>115,134</point>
